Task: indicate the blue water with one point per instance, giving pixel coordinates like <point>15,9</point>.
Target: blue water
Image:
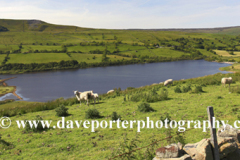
<point>45,86</point>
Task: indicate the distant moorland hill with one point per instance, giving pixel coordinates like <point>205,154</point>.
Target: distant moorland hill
<point>34,45</point>
<point>38,25</point>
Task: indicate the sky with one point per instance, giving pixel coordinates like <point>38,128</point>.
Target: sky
<point>126,14</point>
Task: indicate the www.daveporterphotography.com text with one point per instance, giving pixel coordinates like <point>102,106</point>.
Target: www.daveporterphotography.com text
<point>181,125</point>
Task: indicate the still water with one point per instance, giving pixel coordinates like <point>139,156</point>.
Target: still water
<point>46,86</point>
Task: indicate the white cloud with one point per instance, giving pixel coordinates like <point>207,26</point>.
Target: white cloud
<point>121,14</point>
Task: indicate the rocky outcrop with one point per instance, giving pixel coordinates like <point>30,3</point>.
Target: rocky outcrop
<point>228,144</point>
<point>229,131</point>
<point>170,151</point>
<point>185,157</point>
<point>201,150</point>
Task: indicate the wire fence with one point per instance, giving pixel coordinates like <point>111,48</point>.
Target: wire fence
<point>134,150</point>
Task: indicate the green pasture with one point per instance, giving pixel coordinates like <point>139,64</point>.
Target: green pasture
<point>38,57</point>
<point>167,52</point>
<point>6,47</point>
<point>27,48</point>
<point>16,104</point>
<point>57,57</point>
<point>81,143</point>
<point>6,89</point>
<point>226,53</point>
<point>205,52</point>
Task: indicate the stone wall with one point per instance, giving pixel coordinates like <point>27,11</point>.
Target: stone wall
<point>228,143</point>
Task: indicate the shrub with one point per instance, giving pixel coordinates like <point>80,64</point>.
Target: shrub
<point>154,90</point>
<point>129,88</point>
<point>117,91</point>
<point>61,111</point>
<point>235,89</point>
<point>177,89</point>
<point>180,138</point>
<point>163,95</point>
<point>124,98</point>
<point>32,128</point>
<point>151,96</point>
<point>115,116</point>
<point>145,107</point>
<point>92,113</point>
<point>197,89</point>
<point>186,89</point>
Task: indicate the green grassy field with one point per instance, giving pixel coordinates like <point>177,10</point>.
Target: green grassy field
<point>226,54</point>
<point>38,57</point>
<point>81,143</point>
<point>57,57</point>
<point>39,42</point>
<point>47,40</point>
<point>16,104</point>
<point>233,68</point>
<point>27,48</point>
<point>6,89</point>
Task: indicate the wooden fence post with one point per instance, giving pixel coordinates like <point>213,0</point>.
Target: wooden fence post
<point>213,134</point>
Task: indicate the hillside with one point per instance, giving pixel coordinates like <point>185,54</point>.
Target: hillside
<point>35,25</point>
<point>235,30</point>
<point>34,42</point>
<point>38,25</point>
<point>104,143</point>
<point>33,45</point>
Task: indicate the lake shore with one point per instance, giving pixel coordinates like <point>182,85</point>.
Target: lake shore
<point>52,85</point>
<point>234,68</point>
<point>4,84</point>
<point>83,65</point>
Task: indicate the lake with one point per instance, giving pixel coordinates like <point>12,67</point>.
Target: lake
<point>46,86</point>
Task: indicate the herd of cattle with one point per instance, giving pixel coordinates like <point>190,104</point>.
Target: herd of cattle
<point>89,95</point>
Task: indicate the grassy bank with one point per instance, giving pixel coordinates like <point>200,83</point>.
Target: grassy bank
<point>17,68</point>
<point>233,68</point>
<point>80,143</point>
<point>5,90</point>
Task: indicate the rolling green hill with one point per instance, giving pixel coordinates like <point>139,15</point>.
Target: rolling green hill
<point>22,38</point>
<point>235,30</point>
<point>32,45</point>
<point>38,25</point>
<point>35,25</point>
<point>105,143</point>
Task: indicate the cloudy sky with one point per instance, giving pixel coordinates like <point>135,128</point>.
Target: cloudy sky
<point>125,14</point>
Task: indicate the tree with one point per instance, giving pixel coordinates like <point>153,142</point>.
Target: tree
<point>3,29</point>
<point>64,48</point>
<point>103,37</point>
<point>104,57</point>
<point>20,46</point>
<point>231,53</point>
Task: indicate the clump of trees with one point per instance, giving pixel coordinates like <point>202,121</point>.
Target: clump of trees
<point>3,29</point>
